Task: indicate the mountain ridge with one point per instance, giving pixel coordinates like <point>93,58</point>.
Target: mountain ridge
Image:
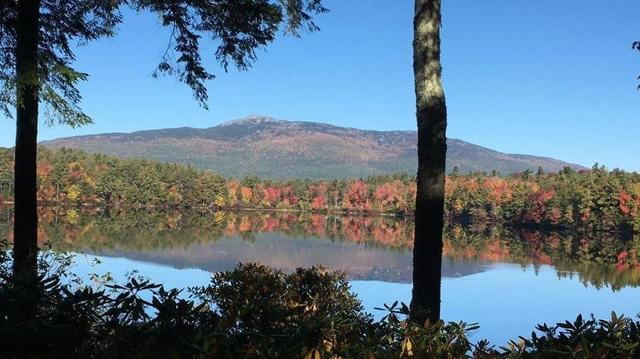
<point>274,148</point>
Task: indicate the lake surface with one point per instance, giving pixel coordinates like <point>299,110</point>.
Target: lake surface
<point>506,281</point>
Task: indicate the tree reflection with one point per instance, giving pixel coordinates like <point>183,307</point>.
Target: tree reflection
<point>597,259</point>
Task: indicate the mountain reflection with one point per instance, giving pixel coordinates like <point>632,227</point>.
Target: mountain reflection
<point>359,261</point>
<point>365,247</point>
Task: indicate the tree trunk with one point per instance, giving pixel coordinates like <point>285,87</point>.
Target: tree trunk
<point>26,216</point>
<point>431,116</point>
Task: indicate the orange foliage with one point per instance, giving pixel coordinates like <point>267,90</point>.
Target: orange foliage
<point>246,193</point>
<point>356,197</point>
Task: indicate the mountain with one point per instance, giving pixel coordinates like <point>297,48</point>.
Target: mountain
<point>267,147</point>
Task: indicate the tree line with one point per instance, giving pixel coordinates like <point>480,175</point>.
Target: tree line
<point>36,68</point>
<point>38,80</point>
<point>595,200</point>
<point>601,259</point>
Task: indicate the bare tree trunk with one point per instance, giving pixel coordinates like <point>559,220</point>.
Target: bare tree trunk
<point>431,113</point>
<point>26,216</point>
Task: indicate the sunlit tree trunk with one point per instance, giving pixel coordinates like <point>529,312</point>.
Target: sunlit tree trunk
<point>26,217</point>
<point>431,116</point>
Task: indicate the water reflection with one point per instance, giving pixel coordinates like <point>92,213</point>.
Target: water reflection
<point>367,248</point>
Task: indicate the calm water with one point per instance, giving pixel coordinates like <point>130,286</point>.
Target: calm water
<point>506,281</point>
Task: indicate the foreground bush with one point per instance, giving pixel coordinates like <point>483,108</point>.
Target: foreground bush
<point>255,312</point>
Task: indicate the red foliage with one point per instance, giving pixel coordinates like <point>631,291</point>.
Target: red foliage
<point>272,195</point>
<point>356,197</point>
<point>537,205</point>
<point>623,199</point>
<point>585,215</point>
<point>622,256</point>
<point>555,215</point>
<point>319,202</point>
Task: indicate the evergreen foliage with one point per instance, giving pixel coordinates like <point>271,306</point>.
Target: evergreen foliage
<point>594,200</point>
<point>255,312</point>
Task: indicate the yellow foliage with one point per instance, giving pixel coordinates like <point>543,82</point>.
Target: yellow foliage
<point>218,217</point>
<point>407,347</point>
<point>73,216</point>
<point>74,166</point>
<point>90,181</point>
<point>313,354</point>
<point>73,193</point>
<point>219,201</point>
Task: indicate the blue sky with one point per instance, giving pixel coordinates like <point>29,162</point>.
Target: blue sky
<point>548,77</point>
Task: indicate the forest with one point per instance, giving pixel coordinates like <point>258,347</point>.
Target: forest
<point>600,258</point>
<point>301,308</point>
<point>593,200</point>
<point>254,311</point>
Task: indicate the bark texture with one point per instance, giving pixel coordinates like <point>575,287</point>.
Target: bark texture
<point>431,114</point>
<point>26,217</point>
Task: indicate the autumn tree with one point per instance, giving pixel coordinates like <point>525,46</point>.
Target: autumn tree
<point>211,190</point>
<point>431,116</point>
<point>38,39</point>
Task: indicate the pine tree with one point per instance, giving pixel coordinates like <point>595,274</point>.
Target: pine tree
<point>38,39</point>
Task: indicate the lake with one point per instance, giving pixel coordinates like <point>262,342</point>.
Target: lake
<point>507,281</point>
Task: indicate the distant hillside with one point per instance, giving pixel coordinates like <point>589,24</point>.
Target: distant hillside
<point>267,147</point>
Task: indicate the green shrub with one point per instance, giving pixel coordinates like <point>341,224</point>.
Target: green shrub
<point>256,312</point>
